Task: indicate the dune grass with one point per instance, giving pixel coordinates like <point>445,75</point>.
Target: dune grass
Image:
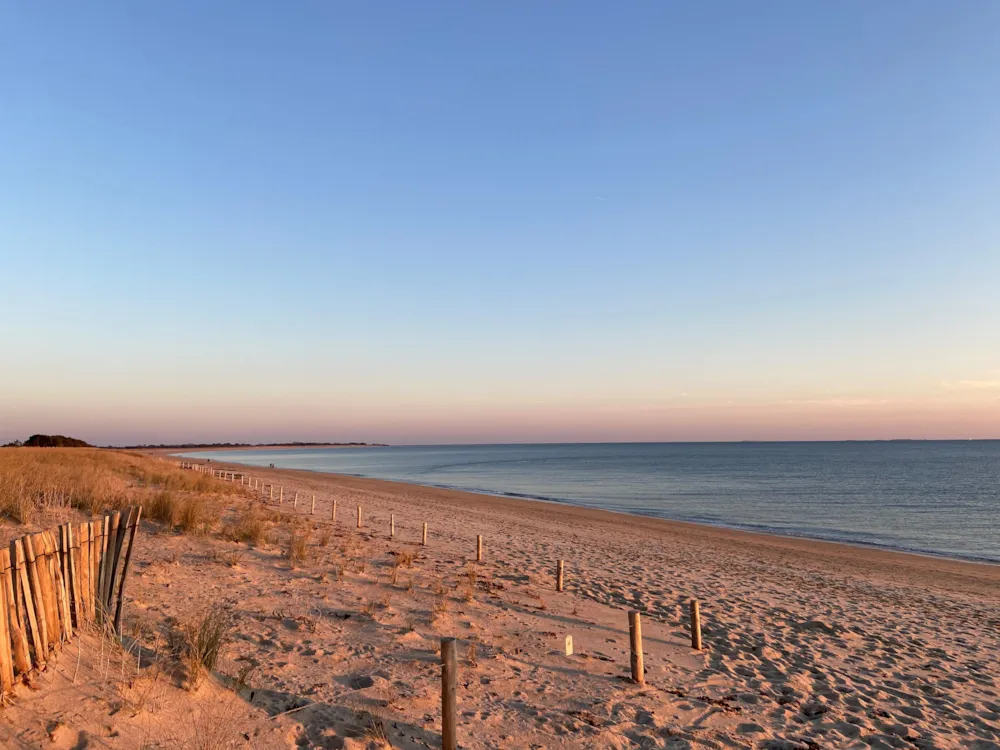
<point>95,480</point>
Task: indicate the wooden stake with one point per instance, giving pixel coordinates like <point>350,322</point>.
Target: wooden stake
<point>479,547</point>
<point>559,576</point>
<point>133,528</point>
<point>695,625</point>
<point>449,693</point>
<point>18,629</point>
<point>85,590</point>
<point>6,657</point>
<point>392,525</point>
<point>312,510</point>
<point>24,597</point>
<point>569,645</point>
<point>635,641</point>
<point>38,598</point>
<point>117,556</point>
<point>424,541</point>
<point>281,494</point>
<point>359,516</point>
<point>108,580</point>
<point>333,511</point>
<point>272,493</point>
<point>62,589</point>
<point>74,573</point>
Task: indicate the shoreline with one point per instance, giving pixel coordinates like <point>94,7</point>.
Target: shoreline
<point>765,535</point>
<point>804,544</point>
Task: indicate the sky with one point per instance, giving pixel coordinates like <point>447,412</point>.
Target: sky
<point>448,222</point>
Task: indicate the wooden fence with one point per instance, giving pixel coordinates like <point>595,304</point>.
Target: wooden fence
<point>53,583</point>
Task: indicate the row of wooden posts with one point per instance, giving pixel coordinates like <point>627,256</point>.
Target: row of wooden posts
<point>53,583</point>
<point>449,659</point>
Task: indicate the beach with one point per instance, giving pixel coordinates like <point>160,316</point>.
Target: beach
<point>806,644</point>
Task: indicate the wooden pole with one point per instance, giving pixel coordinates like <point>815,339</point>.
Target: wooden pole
<point>359,516</point>
<point>333,511</point>
<point>281,494</point>
<point>449,692</point>
<point>23,597</point>
<point>479,547</point>
<point>295,501</point>
<point>18,630</point>
<point>312,510</point>
<point>6,657</point>
<point>635,641</point>
<point>133,528</point>
<point>38,598</point>
<point>74,573</point>
<point>272,493</point>
<point>424,542</point>
<point>695,625</point>
<point>84,570</point>
<point>392,525</point>
<point>559,576</point>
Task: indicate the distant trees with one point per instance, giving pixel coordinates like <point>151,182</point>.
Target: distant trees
<point>49,441</point>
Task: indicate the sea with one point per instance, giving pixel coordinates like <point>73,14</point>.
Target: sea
<point>930,497</point>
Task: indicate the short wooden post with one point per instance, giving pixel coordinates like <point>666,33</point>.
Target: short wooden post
<point>392,525</point>
<point>569,645</point>
<point>359,516</point>
<point>312,510</point>
<point>479,547</point>
<point>695,625</point>
<point>295,501</point>
<point>559,576</point>
<point>424,541</point>
<point>133,528</point>
<point>449,691</point>
<point>272,493</point>
<point>281,494</point>
<point>635,640</point>
<point>333,511</point>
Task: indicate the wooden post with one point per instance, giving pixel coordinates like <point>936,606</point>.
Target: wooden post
<point>38,598</point>
<point>392,525</point>
<point>295,501</point>
<point>24,597</point>
<point>133,528</point>
<point>424,542</point>
<point>449,685</point>
<point>479,547</point>
<point>6,657</point>
<point>559,576</point>
<point>635,640</point>
<point>73,545</point>
<point>84,569</point>
<point>18,629</point>
<point>695,625</point>
<point>312,510</point>
<point>359,516</point>
<point>281,494</point>
<point>569,645</point>
<point>272,493</point>
<point>333,511</point>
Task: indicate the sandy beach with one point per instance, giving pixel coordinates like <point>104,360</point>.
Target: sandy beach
<point>806,644</point>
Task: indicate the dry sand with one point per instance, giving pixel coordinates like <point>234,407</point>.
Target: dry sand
<point>807,644</point>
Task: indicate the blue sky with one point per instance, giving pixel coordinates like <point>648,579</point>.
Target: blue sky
<point>425,222</point>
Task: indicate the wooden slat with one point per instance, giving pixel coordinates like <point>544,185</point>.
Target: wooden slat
<point>116,556</point>
<point>74,573</point>
<point>133,529</point>
<point>109,562</point>
<point>18,634</point>
<point>28,586</point>
<point>93,569</point>
<point>105,525</point>
<point>85,598</point>
<point>46,569</point>
<point>6,658</point>
<point>61,587</point>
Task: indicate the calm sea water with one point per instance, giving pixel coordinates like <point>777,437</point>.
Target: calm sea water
<point>934,497</point>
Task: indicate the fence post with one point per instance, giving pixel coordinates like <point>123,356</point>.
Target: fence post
<point>635,641</point>
<point>424,542</point>
<point>312,511</point>
<point>695,625</point>
<point>333,511</point>
<point>559,576</point>
<point>392,525</point>
<point>359,516</point>
<point>479,547</point>
<point>449,682</point>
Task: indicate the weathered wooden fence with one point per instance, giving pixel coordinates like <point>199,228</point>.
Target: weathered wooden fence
<point>53,583</point>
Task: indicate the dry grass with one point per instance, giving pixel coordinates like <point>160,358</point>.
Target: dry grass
<point>199,643</point>
<point>250,527</point>
<point>95,480</point>
<point>298,548</point>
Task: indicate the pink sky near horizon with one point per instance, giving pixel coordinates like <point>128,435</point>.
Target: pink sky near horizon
<point>961,412</point>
